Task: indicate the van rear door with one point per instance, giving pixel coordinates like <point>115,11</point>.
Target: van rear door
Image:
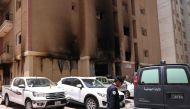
<point>149,92</point>
<point>177,87</point>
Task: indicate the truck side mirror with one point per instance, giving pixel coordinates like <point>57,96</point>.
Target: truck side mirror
<point>21,86</point>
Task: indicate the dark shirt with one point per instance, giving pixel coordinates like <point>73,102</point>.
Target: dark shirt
<point>112,97</point>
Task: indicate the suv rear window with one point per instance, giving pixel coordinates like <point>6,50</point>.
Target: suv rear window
<point>150,76</point>
<point>176,76</point>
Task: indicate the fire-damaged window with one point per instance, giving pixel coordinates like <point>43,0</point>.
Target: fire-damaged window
<point>127,56</point>
<point>142,11</point>
<point>143,31</point>
<point>18,39</point>
<point>99,15</point>
<point>18,4</point>
<point>146,53</point>
<point>73,6</point>
<point>7,16</point>
<point>7,48</point>
<point>126,31</point>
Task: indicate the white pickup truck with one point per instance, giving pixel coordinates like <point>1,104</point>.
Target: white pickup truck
<point>34,92</point>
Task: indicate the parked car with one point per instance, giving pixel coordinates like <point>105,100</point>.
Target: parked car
<point>165,86</point>
<point>34,92</point>
<point>102,79</point>
<point>128,89</point>
<point>87,91</point>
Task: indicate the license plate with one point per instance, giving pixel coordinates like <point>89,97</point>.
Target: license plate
<point>177,96</point>
<point>57,102</point>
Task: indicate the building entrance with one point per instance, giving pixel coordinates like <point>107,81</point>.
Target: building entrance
<point>101,69</point>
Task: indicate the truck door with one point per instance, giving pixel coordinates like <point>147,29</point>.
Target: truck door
<point>77,92</point>
<point>20,91</point>
<point>17,95</point>
<point>149,92</point>
<point>177,87</point>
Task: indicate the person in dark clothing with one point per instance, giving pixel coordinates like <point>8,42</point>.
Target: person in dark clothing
<point>113,101</point>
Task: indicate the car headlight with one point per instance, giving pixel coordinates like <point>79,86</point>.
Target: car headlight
<point>102,95</point>
<point>36,94</point>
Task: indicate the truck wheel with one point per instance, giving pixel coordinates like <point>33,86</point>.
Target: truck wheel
<point>7,102</point>
<point>28,104</point>
<point>91,103</point>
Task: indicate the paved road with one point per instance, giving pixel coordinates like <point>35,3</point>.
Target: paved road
<point>129,105</point>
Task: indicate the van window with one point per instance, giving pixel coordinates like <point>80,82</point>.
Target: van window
<point>150,76</point>
<point>176,76</point>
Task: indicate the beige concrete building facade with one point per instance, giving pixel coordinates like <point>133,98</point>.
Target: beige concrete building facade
<point>78,37</point>
<point>172,31</point>
<point>186,34</point>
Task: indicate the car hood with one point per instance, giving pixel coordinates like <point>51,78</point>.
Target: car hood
<point>49,89</point>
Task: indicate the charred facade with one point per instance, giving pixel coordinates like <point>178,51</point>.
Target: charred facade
<point>78,37</point>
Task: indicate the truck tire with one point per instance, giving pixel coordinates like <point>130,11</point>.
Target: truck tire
<point>91,103</point>
<point>28,104</point>
<point>7,101</point>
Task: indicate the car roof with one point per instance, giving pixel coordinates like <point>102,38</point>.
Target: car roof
<point>29,77</point>
<point>166,65</point>
<point>79,77</point>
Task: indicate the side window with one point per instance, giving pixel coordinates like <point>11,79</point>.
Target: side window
<point>75,82</point>
<point>150,76</point>
<point>66,81</point>
<point>176,76</point>
<point>16,82</point>
<point>21,82</point>
<point>99,79</point>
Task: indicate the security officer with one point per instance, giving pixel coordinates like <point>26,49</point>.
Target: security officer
<point>113,95</point>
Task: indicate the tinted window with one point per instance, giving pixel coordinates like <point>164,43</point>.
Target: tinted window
<point>93,83</point>
<point>16,82</point>
<point>67,81</point>
<point>21,82</point>
<point>39,82</point>
<point>176,76</point>
<point>150,76</point>
<point>76,82</point>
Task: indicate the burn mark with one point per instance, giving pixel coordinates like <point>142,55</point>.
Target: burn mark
<point>61,65</point>
<point>104,28</point>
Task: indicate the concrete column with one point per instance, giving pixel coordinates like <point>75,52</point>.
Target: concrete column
<point>84,66</point>
<point>29,65</point>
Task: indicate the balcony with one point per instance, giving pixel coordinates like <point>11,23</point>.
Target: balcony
<point>5,27</point>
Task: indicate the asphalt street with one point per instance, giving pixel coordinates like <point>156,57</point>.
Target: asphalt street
<point>129,105</point>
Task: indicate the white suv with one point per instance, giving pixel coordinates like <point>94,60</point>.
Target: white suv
<point>87,91</point>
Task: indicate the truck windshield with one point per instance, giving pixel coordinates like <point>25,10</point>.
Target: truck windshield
<point>39,82</point>
<point>93,83</point>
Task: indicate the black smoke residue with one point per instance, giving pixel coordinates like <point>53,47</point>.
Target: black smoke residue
<point>72,47</point>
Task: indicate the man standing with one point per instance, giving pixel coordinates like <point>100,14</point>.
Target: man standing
<point>113,95</point>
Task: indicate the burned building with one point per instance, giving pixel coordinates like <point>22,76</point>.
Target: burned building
<point>58,38</point>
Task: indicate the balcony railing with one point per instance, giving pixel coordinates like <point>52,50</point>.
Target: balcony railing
<point>5,27</point>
